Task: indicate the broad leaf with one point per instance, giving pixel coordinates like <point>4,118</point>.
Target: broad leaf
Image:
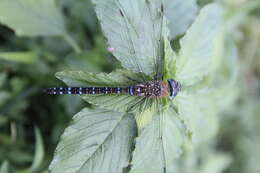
<point>197,46</point>
<point>121,102</point>
<point>198,111</point>
<point>31,17</point>
<point>134,31</point>
<point>21,57</point>
<point>96,141</point>
<point>159,144</point>
<point>180,14</point>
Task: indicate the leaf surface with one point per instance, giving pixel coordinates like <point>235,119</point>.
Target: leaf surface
<point>199,113</point>
<point>159,144</point>
<point>180,14</point>
<point>197,46</point>
<point>32,18</point>
<point>96,141</point>
<point>134,31</point>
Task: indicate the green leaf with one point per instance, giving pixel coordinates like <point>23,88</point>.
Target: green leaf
<point>134,31</point>
<point>5,167</point>
<point>39,151</point>
<point>197,46</point>
<point>180,14</point>
<point>159,144</point>
<point>32,18</point>
<point>20,57</point>
<point>199,113</point>
<point>96,141</point>
<point>120,102</point>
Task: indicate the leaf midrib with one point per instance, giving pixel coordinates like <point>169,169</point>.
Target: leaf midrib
<point>104,141</point>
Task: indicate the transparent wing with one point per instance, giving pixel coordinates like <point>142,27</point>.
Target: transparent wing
<point>159,142</point>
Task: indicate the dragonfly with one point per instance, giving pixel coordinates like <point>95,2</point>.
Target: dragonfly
<point>156,88</point>
<point>150,89</point>
<point>127,44</point>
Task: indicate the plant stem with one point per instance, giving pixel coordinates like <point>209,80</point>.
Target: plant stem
<point>72,43</point>
<point>13,132</point>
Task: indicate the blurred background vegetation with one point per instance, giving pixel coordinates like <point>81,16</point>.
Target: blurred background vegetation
<point>31,122</point>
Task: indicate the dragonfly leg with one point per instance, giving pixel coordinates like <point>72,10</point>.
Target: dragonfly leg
<point>132,79</point>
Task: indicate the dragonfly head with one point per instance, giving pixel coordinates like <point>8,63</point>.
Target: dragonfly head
<point>175,88</point>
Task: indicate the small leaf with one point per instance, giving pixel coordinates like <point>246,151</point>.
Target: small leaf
<point>32,18</point>
<point>5,167</point>
<point>20,57</point>
<point>39,151</point>
<point>134,30</point>
<point>96,141</point>
<point>159,144</point>
<point>197,46</point>
<point>180,14</point>
<point>120,102</point>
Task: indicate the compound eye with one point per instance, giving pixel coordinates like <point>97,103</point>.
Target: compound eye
<point>179,86</point>
<point>174,84</point>
<point>175,93</point>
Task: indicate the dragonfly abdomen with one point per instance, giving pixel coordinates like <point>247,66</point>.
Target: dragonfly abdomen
<point>86,90</point>
<point>150,89</point>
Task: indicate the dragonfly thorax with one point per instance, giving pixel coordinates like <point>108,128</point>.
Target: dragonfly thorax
<point>151,89</point>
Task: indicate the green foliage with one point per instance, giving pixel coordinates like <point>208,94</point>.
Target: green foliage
<point>32,18</point>
<point>211,126</point>
<point>161,123</point>
<point>197,46</point>
<point>159,144</point>
<point>198,112</point>
<point>84,146</point>
<point>136,44</point>
<point>176,10</point>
